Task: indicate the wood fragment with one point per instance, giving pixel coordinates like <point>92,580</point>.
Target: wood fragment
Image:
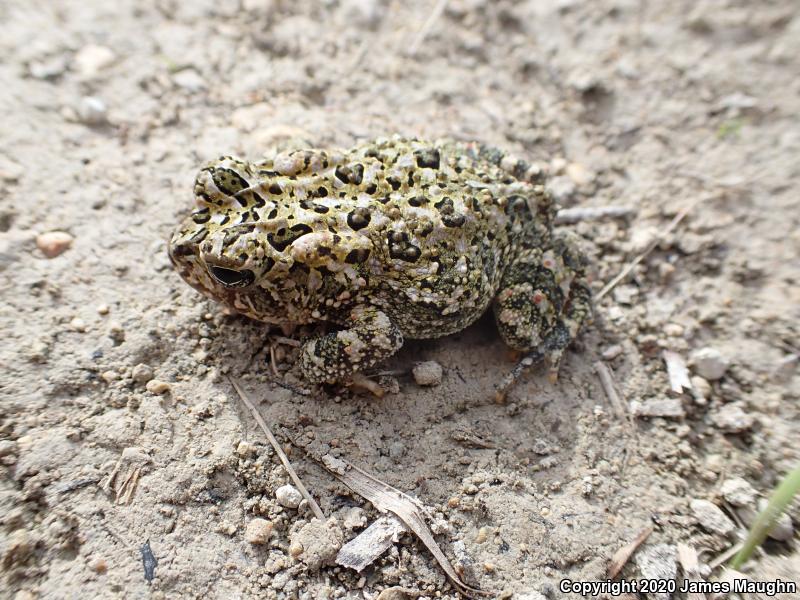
<point>713,564</point>
<point>409,510</point>
<point>623,555</point>
<point>367,546</point>
<point>361,381</point>
<point>687,557</point>
<point>279,339</point>
<point>149,561</point>
<point>434,16</point>
<point>272,361</point>
<point>677,371</point>
<point>281,454</point>
<point>607,381</point>
<point>568,216</point>
<point>75,484</point>
<point>652,246</point>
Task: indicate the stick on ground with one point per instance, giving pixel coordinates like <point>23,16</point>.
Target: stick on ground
<point>281,454</point>
<point>621,556</point>
<point>631,265</point>
<point>384,497</point>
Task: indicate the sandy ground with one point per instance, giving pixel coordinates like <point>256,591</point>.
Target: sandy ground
<point>119,425</point>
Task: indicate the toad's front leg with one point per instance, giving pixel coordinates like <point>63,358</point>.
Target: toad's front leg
<point>369,337</point>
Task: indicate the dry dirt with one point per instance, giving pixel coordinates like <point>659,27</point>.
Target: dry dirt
<point>111,365</point>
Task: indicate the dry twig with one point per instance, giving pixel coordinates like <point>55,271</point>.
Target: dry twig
<point>437,12</point>
<point>409,510</point>
<point>631,265</point>
<point>367,546</point>
<point>607,381</point>
<point>687,557</point>
<point>621,556</point>
<point>677,371</point>
<point>567,216</point>
<point>281,454</point>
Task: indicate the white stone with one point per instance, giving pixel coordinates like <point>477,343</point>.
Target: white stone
<point>738,492</point>
<point>92,59</point>
<point>288,496</point>
<point>659,407</point>
<point>428,373</point>
<point>258,531</point>
<point>709,363</point>
<point>189,80</point>
<point>142,373</point>
<point>92,111</point>
<point>782,530</point>
<point>53,243</point>
<point>732,418</point>
<point>710,517</point>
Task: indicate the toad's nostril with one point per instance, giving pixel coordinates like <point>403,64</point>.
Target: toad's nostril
<point>231,278</point>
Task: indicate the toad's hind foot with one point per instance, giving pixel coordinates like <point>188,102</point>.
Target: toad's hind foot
<point>543,302</point>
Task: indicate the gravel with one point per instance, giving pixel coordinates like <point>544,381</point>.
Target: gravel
<point>709,363</point>
<point>288,496</point>
<point>428,373</point>
<point>711,518</point>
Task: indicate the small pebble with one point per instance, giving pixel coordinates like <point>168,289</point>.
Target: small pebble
<point>579,174</point>
<point>288,496</point>
<point>562,188</point>
<point>156,386</point>
<point>99,565</point>
<point>483,533</point>
<point>701,390</point>
<point>658,407</point>
<point>732,418</point>
<point>54,243</point>
<point>9,170</point>
<point>782,531</point>
<point>103,309</point>
<point>396,450</point>
<point>612,352</point>
<point>142,373</point>
<point>428,373</point>
<point>738,492</point>
<point>91,59</point>
<point>7,448</point>
<point>190,80</point>
<point>710,517</point>
<point>258,531</point>
<point>316,543</point>
<point>77,324</point>
<point>396,593</point>
<point>709,363</point>
<point>92,111</point>
<point>245,449</point>
<point>657,562</point>
<point>354,518</point>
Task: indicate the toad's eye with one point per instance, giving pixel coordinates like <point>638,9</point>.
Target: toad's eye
<point>233,279</point>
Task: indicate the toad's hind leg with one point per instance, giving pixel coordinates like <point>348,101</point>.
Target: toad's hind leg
<point>370,337</point>
<point>542,303</point>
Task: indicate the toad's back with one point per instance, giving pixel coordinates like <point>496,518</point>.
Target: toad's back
<point>422,230</point>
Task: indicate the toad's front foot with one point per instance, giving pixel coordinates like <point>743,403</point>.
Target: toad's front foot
<point>369,337</point>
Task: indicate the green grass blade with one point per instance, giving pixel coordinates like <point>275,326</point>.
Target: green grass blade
<point>778,502</point>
